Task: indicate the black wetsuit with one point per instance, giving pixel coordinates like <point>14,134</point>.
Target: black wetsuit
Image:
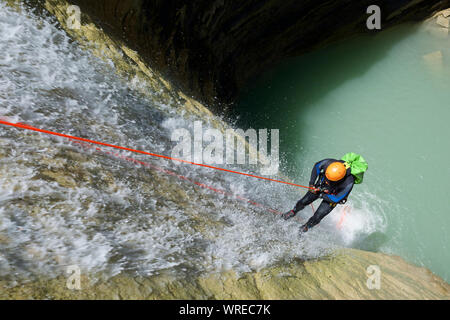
<point>337,191</point>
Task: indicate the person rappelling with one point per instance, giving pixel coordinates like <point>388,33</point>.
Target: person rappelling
<point>331,180</point>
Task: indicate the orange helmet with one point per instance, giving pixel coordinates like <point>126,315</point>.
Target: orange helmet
<point>335,171</point>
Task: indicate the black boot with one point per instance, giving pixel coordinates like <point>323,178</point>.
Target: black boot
<point>304,228</point>
<point>288,215</point>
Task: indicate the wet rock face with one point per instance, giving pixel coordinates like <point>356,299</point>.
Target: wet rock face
<point>212,48</point>
<point>343,276</point>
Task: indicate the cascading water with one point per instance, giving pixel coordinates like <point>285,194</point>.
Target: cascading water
<point>61,205</point>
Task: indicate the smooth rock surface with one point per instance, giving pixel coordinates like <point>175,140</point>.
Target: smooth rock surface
<point>343,276</point>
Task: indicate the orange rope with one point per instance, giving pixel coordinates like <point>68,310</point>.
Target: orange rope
<point>341,221</point>
<point>166,171</point>
<point>27,127</point>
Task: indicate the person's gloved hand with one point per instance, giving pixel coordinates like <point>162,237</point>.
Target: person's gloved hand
<point>314,189</point>
<point>288,215</point>
<point>321,191</point>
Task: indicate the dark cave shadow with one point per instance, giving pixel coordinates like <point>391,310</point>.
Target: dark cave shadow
<point>265,102</point>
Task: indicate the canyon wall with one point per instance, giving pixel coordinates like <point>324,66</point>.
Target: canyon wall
<point>212,48</point>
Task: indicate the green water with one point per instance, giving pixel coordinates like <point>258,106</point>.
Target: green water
<point>379,97</point>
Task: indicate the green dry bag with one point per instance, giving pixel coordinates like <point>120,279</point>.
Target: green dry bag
<point>357,164</point>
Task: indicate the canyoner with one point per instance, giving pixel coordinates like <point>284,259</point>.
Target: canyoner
<point>331,180</point>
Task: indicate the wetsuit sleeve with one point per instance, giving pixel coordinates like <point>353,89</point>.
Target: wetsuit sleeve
<point>316,171</point>
<point>344,192</point>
